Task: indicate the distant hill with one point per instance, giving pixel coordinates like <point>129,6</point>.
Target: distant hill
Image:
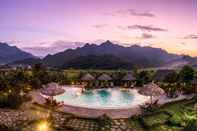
<point>10,54</point>
<point>97,62</point>
<point>191,60</point>
<point>173,65</point>
<point>97,56</point>
<point>27,61</point>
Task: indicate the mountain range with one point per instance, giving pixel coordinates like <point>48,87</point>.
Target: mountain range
<point>110,55</point>
<point>107,55</point>
<point>10,54</point>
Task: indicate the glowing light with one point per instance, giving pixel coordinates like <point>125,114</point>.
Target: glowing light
<point>43,126</point>
<point>78,93</point>
<point>5,94</point>
<point>10,91</point>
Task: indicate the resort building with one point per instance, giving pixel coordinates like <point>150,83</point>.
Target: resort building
<point>105,80</point>
<point>88,80</point>
<point>128,80</point>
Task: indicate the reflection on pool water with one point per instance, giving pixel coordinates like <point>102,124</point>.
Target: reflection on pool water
<point>101,98</point>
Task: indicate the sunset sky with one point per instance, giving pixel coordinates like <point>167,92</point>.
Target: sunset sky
<point>41,26</point>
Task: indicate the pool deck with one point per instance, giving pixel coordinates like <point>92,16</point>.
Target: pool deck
<point>94,113</point>
<point>116,113</point>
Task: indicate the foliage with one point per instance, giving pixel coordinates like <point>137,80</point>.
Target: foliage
<point>171,77</point>
<point>176,82</point>
<point>135,71</point>
<point>40,72</point>
<point>103,120</point>
<point>187,88</point>
<point>172,90</point>
<point>143,77</point>
<point>165,127</point>
<point>155,119</point>
<point>192,126</point>
<point>172,116</point>
<point>36,83</point>
<point>186,74</point>
<point>136,124</point>
<point>175,120</point>
<point>12,100</point>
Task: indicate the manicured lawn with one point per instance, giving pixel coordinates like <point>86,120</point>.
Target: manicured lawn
<point>158,119</point>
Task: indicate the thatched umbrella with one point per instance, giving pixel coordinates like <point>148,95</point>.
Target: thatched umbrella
<point>87,77</point>
<point>151,90</point>
<point>104,77</point>
<point>52,89</point>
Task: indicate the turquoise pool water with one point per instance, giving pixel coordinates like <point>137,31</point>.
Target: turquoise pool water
<point>101,98</point>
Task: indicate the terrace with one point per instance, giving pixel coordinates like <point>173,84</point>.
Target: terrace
<point>165,114</point>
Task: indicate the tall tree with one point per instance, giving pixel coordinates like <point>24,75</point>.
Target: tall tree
<point>143,77</point>
<point>171,78</point>
<point>186,74</point>
<point>40,73</point>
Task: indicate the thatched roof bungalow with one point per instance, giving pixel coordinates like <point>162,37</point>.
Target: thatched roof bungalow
<point>87,77</point>
<point>105,80</point>
<point>104,77</point>
<point>128,80</point>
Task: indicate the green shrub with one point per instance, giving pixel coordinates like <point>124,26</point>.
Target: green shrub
<point>166,128</point>
<point>155,119</point>
<point>175,120</point>
<point>12,100</point>
<point>105,121</point>
<point>192,126</point>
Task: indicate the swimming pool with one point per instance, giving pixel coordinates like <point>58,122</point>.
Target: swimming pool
<point>107,98</point>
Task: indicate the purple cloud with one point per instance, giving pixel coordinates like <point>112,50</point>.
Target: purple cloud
<point>53,48</point>
<point>134,12</point>
<point>147,28</point>
<point>143,14</point>
<point>100,26</point>
<point>147,36</point>
<point>183,43</point>
<point>191,36</point>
